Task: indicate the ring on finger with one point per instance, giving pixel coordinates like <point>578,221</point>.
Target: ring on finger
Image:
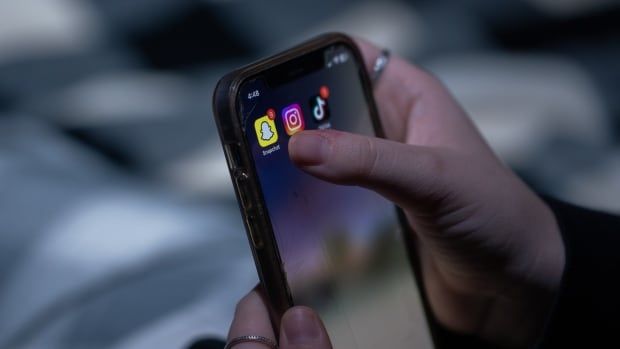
<point>251,338</point>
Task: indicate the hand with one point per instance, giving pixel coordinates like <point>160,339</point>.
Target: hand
<point>300,327</point>
<point>490,249</point>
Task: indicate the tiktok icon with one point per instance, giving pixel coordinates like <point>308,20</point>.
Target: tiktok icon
<point>319,106</point>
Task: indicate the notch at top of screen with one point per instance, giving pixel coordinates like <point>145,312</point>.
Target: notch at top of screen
<point>336,55</point>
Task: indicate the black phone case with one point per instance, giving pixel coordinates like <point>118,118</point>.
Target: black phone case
<point>247,189</point>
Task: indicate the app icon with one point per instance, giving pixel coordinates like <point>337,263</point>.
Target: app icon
<point>266,132</point>
<point>293,119</point>
<point>318,105</point>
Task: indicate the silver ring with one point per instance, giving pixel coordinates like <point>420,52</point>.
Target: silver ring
<point>251,338</point>
<point>380,63</point>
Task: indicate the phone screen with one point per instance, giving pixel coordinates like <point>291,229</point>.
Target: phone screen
<point>341,246</point>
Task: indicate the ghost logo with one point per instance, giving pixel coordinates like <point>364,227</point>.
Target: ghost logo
<point>266,132</point>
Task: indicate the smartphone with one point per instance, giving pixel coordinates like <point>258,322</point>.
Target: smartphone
<point>339,249</point>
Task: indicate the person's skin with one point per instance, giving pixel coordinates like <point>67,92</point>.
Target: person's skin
<point>490,249</point>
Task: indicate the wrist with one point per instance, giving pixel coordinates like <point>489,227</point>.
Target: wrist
<point>519,315</point>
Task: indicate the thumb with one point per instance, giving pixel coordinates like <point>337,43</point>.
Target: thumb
<point>302,328</point>
<point>410,176</point>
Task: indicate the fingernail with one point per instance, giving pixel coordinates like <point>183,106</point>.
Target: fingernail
<point>301,326</point>
<point>308,148</point>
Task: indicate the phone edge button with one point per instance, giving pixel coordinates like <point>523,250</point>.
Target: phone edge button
<point>256,239</point>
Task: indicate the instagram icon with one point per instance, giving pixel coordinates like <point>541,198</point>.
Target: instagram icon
<point>293,119</point>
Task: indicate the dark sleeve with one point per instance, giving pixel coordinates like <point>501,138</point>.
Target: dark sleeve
<point>587,309</point>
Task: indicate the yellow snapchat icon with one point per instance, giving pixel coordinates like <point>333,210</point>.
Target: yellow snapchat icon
<point>266,132</point>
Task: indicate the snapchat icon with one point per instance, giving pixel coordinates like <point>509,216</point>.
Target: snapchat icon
<point>266,132</point>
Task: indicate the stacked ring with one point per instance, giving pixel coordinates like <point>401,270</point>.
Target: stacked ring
<point>380,63</point>
<point>251,338</point>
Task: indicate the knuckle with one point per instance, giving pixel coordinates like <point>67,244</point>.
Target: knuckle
<point>366,158</point>
<point>355,158</point>
<point>419,76</point>
<point>436,165</point>
<point>424,76</point>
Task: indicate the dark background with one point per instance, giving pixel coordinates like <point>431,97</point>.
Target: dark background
<point>118,227</point>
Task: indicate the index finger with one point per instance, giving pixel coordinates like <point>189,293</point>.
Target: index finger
<point>396,91</point>
<point>251,318</point>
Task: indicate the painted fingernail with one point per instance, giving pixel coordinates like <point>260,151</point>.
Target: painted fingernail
<point>308,148</point>
<point>301,326</point>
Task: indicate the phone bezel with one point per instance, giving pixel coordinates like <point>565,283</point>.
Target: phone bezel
<point>245,181</point>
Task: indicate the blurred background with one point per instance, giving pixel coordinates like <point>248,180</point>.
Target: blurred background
<point>118,224</point>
